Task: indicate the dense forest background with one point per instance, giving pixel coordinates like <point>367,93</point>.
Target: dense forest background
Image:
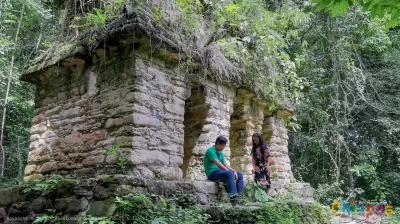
<point>344,136</point>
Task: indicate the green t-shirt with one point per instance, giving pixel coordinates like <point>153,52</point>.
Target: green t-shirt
<point>210,155</point>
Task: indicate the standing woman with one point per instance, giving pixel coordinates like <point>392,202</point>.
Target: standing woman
<point>261,160</point>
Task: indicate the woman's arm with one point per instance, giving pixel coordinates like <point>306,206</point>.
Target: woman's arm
<point>254,164</point>
<point>268,163</point>
<point>268,158</point>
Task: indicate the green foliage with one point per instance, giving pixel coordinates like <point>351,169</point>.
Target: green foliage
<point>319,214</point>
<point>95,22</point>
<point>279,213</point>
<point>42,187</point>
<point>9,182</point>
<point>47,219</point>
<point>140,209</point>
<point>256,192</point>
<point>328,193</point>
<point>347,144</point>
<point>183,200</point>
<point>121,161</point>
<point>37,28</point>
<point>380,8</point>
<point>257,41</point>
<point>191,15</point>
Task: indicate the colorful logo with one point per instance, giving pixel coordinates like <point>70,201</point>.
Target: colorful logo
<point>354,209</point>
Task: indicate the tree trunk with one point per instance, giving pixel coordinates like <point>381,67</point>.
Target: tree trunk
<point>1,8</point>
<point>3,121</point>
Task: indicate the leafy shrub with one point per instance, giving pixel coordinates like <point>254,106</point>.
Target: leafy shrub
<point>255,192</point>
<point>327,193</point>
<point>141,209</point>
<point>42,187</point>
<point>280,213</point>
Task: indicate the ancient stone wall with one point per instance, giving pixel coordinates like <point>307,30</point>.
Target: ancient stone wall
<point>76,199</point>
<point>83,110</point>
<point>160,120</point>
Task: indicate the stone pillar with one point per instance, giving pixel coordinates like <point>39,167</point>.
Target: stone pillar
<point>216,110</point>
<point>275,134</point>
<point>246,120</point>
<point>158,100</point>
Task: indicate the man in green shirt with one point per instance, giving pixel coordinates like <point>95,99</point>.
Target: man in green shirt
<point>217,169</point>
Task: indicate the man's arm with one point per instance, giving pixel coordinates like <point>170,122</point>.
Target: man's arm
<point>220,165</point>
<point>228,167</point>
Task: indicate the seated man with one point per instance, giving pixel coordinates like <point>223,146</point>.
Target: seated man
<point>217,169</point>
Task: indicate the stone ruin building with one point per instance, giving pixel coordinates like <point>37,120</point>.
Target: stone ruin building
<point>131,91</point>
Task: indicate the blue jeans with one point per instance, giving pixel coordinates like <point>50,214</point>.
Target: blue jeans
<point>228,178</point>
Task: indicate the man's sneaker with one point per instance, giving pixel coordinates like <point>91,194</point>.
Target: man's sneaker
<point>237,199</point>
<point>240,199</point>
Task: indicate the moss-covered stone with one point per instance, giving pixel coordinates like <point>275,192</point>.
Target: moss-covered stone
<point>65,187</point>
<point>10,195</point>
<point>40,205</point>
<point>106,180</point>
<point>102,208</point>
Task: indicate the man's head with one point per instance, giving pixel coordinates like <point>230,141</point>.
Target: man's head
<point>220,143</point>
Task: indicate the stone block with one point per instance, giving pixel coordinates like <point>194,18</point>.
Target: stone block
<point>155,187</point>
<point>77,205</point>
<point>33,177</point>
<point>124,141</point>
<point>141,172</point>
<point>308,192</point>
<point>101,193</point>
<point>204,199</point>
<point>130,180</point>
<point>55,110</point>
<point>113,122</point>
<point>175,160</point>
<point>168,173</point>
<point>144,120</point>
<point>102,208</point>
<point>150,157</point>
<point>38,129</point>
<point>38,118</point>
<point>34,137</point>
<point>127,189</point>
<point>48,167</point>
<point>39,205</point>
<point>10,195</point>
<point>3,213</point>
<point>130,97</point>
<point>73,112</point>
<point>172,149</point>
<point>30,169</point>
<point>61,203</point>
<point>148,110</point>
<point>174,109</point>
<point>93,160</point>
<point>205,187</point>
<point>15,212</point>
<point>65,187</point>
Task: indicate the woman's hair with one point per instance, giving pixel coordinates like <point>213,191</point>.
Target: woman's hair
<point>262,145</point>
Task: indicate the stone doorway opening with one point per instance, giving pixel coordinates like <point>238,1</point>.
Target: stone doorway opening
<point>196,110</point>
